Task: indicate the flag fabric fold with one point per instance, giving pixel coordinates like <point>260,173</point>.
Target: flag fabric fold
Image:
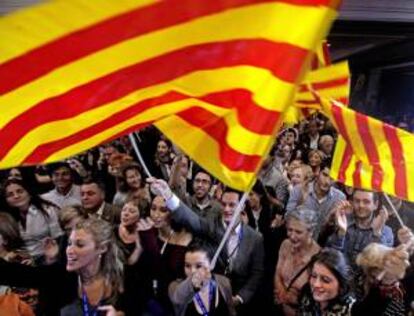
<point>214,76</point>
<point>371,154</point>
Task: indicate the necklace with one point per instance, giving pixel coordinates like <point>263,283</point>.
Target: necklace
<point>166,242</point>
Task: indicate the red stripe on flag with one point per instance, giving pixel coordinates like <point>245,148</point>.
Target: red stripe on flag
<point>325,84</point>
<point>244,110</point>
<point>250,115</point>
<point>356,177</point>
<point>346,160</point>
<point>367,139</point>
<point>73,46</point>
<point>317,104</point>
<point>259,53</point>
<point>398,161</point>
<point>216,127</point>
<point>338,116</point>
<point>325,52</point>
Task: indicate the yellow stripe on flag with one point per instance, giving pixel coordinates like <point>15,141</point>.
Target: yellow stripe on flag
<point>232,26</point>
<point>27,29</point>
<point>184,134</point>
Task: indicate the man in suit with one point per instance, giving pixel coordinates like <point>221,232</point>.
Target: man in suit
<point>93,201</point>
<point>242,259</point>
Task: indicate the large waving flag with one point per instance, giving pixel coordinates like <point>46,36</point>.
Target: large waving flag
<point>371,154</point>
<point>213,75</point>
<point>327,79</point>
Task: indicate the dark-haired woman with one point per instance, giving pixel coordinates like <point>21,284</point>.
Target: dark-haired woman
<point>37,218</point>
<point>328,290</point>
<point>164,245</point>
<point>11,250</point>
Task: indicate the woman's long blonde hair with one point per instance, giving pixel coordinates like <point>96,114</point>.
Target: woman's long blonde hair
<point>111,265</point>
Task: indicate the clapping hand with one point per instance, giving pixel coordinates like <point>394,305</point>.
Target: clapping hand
<point>341,221</point>
<point>379,221</point>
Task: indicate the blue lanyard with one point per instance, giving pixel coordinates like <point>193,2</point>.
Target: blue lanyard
<point>211,295</point>
<point>85,306</point>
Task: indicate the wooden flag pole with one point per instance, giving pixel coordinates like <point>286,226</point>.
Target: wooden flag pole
<point>387,198</point>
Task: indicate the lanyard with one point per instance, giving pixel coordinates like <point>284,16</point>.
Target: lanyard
<point>212,290</point>
<point>240,237</point>
<point>85,306</point>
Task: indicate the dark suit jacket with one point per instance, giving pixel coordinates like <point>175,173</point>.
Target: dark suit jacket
<point>248,266</point>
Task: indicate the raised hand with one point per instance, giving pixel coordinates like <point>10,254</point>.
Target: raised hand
<point>50,249</point>
<point>379,221</point>
<point>201,277</point>
<point>406,237</point>
<point>396,262</point>
<point>145,224</point>
<point>160,187</point>
<point>278,221</point>
<point>341,220</point>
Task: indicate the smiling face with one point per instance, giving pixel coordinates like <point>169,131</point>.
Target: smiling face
<point>315,159</point>
<point>159,213</point>
<point>297,176</point>
<point>229,201</point>
<point>364,204</point>
<point>129,214</point>
<point>298,233</point>
<point>162,149</point>
<point>82,251</point>
<point>62,179</point>
<point>201,185</point>
<point>323,283</point>
<point>17,196</point>
<point>324,181</point>
<point>133,179</point>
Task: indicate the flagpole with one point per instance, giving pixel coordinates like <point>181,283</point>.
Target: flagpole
<point>232,223</point>
<point>387,198</point>
<point>141,160</point>
<point>229,229</point>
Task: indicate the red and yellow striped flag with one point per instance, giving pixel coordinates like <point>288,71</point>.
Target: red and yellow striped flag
<point>371,154</point>
<point>214,76</point>
<point>327,79</point>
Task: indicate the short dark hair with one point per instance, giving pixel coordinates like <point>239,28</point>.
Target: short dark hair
<point>375,195</point>
<point>98,182</point>
<point>57,165</point>
<point>231,190</point>
<point>201,246</point>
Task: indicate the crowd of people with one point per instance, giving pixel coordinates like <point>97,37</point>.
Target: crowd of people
<point>96,235</point>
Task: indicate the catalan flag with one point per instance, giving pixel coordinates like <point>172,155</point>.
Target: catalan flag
<point>214,76</point>
<point>327,79</point>
<point>371,154</point>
